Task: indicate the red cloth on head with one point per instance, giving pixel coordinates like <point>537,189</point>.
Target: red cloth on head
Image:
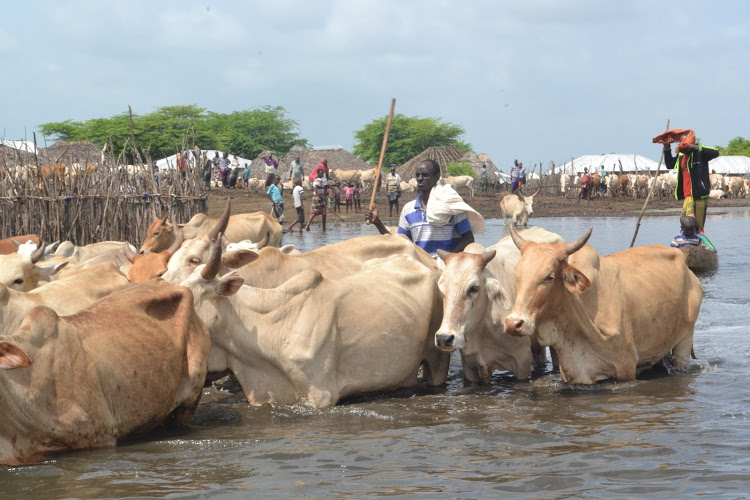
<point>684,136</point>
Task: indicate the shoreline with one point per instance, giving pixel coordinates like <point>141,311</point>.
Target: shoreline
<point>253,200</point>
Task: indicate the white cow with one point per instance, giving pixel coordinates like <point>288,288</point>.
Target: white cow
<point>461,181</point>
<point>517,207</point>
<point>478,287</point>
<point>310,338</point>
<point>716,194</point>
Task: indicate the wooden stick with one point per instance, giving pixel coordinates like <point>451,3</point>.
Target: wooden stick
<point>382,155</point>
<point>638,224</point>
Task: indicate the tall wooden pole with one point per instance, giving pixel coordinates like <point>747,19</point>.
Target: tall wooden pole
<point>638,224</point>
<point>379,167</point>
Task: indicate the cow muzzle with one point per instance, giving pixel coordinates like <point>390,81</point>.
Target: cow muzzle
<point>445,341</point>
<point>518,326</point>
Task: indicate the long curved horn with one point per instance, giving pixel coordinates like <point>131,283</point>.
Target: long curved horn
<point>517,239</point>
<point>538,189</point>
<point>214,260</point>
<point>264,242</point>
<point>221,226</point>
<point>574,246</point>
<point>179,237</point>
<point>16,242</point>
<point>128,252</point>
<point>38,253</point>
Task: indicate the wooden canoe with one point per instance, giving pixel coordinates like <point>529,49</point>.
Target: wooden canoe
<point>700,259</point>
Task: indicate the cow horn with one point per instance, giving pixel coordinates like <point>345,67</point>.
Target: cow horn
<point>128,252</point>
<point>179,237</point>
<point>38,253</point>
<point>221,226</point>
<point>517,238</point>
<point>214,260</point>
<point>16,242</point>
<point>574,246</point>
<point>488,256</point>
<point>264,242</point>
<point>537,190</point>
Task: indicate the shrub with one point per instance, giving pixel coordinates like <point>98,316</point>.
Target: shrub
<point>462,168</point>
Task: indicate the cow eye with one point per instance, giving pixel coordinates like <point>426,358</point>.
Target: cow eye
<point>195,260</point>
<point>549,278</point>
<point>19,281</point>
<point>474,289</point>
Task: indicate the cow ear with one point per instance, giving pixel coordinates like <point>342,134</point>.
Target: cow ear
<point>51,269</point>
<point>238,258</point>
<point>497,293</point>
<point>229,284</point>
<point>12,357</point>
<point>574,279</point>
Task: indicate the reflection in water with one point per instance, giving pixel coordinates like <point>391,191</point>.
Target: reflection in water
<point>662,436</point>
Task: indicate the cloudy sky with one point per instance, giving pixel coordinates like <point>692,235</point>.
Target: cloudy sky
<point>536,80</point>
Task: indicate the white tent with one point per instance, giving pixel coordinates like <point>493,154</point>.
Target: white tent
<point>730,165</point>
<point>171,161</point>
<point>611,163</point>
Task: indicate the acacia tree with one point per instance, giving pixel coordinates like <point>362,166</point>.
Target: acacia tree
<point>244,133</point>
<point>736,147</point>
<point>409,136</point>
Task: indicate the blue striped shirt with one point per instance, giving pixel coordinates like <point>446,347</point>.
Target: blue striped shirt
<point>413,223</point>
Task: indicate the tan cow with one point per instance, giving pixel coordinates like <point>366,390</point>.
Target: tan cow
<point>319,339</point>
<point>251,226</point>
<point>21,272</point>
<point>606,316</point>
<point>736,186</point>
<point>478,287</point>
<point>153,264</point>
<point>64,296</point>
<point>518,207</point>
<point>717,181</point>
<point>624,185</point>
<point>346,176</point>
<point>124,365</point>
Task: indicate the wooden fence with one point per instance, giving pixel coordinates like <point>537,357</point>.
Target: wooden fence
<point>91,202</point>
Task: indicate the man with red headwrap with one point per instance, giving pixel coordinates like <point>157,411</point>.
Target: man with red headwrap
<point>691,165</point>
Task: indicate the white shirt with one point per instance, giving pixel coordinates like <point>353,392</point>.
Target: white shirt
<point>297,195</point>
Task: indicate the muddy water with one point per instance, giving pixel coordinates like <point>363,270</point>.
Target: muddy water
<point>663,437</point>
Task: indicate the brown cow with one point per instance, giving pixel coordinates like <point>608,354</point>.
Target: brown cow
<point>624,185</point>
<point>128,363</point>
<point>8,246</point>
<point>153,264</point>
<point>606,316</point>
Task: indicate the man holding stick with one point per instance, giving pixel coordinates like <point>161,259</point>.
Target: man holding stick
<point>453,236</point>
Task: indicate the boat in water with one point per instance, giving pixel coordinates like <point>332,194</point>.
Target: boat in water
<point>700,259</point>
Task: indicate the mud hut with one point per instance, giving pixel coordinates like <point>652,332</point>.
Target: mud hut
<point>338,158</point>
<point>477,160</point>
<point>442,154</point>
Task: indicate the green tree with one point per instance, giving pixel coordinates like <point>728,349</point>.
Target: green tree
<point>244,133</point>
<point>409,136</point>
<point>460,168</point>
<point>736,147</point>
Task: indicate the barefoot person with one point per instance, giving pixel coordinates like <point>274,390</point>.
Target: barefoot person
<point>318,199</point>
<point>297,196</point>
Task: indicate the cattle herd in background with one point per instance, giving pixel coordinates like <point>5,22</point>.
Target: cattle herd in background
<point>104,341</point>
<point>639,185</point>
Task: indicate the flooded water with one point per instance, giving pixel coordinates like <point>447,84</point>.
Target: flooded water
<point>663,437</point>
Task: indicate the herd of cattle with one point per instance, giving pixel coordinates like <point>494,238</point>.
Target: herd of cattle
<point>104,341</point>
<point>639,185</point>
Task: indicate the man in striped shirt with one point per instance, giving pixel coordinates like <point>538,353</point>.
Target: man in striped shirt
<point>454,236</point>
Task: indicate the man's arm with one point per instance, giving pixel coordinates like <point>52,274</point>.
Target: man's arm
<point>708,153</point>
<point>373,218</point>
<point>669,160</point>
<point>466,238</point>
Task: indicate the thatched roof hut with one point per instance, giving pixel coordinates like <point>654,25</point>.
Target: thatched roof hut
<point>442,154</point>
<point>477,160</point>
<point>258,166</point>
<point>82,152</point>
